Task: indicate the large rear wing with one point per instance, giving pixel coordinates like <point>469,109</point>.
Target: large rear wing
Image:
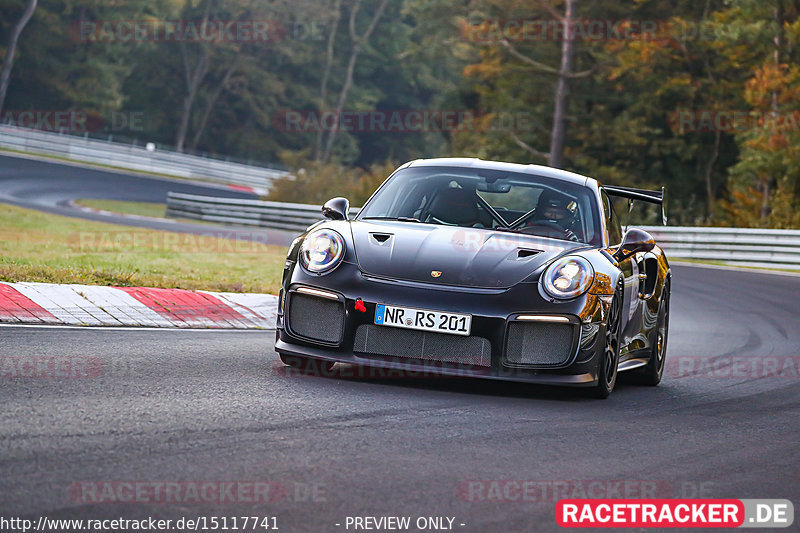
<point>653,197</point>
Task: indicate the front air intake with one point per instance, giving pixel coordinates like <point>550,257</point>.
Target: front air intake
<point>316,318</point>
<point>411,345</point>
<point>542,344</point>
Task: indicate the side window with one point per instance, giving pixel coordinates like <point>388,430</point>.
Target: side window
<point>612,222</point>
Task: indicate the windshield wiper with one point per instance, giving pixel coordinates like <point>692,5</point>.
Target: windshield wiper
<point>399,219</point>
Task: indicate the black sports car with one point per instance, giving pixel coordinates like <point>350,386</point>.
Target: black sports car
<point>484,269</point>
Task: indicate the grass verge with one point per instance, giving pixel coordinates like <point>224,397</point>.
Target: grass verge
<point>37,246</point>
<point>145,209</point>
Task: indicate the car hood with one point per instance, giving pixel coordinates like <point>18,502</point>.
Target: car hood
<point>451,255</point>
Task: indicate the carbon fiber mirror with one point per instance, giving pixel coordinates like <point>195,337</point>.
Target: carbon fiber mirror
<point>634,241</point>
<point>336,208</point>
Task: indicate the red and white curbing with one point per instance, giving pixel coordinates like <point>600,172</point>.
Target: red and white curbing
<point>89,305</point>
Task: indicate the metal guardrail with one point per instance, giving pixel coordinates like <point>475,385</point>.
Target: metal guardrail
<point>747,247</point>
<point>766,248</point>
<point>278,215</point>
<point>138,158</point>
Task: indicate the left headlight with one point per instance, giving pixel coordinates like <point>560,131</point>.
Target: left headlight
<point>568,277</point>
<point>322,251</point>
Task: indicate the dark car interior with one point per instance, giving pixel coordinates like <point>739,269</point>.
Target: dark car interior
<point>490,202</point>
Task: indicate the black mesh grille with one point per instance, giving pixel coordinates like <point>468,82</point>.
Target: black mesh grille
<point>385,341</point>
<point>316,318</point>
<point>539,343</point>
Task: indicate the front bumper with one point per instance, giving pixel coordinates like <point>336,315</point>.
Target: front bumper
<point>493,311</point>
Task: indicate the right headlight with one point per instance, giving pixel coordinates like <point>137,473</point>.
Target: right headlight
<point>322,251</point>
<point>568,277</point>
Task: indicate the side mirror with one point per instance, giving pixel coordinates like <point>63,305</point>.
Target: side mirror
<point>336,209</point>
<point>634,241</point>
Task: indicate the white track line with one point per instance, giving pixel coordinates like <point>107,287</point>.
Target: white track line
<point>735,268</point>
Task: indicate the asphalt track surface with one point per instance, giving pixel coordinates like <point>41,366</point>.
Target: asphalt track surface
<point>51,186</point>
<point>189,406</point>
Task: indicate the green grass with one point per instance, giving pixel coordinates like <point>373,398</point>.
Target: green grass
<point>145,209</point>
<point>36,246</point>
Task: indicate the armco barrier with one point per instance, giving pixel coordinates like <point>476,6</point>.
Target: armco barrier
<point>138,158</point>
<point>295,217</point>
<point>747,247</point>
<point>770,248</point>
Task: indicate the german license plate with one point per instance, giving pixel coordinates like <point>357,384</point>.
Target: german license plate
<point>423,319</point>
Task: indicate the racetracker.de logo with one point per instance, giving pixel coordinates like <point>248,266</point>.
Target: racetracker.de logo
<point>680,513</point>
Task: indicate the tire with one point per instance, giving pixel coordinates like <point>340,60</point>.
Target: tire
<point>607,367</point>
<point>654,370</point>
<point>307,364</point>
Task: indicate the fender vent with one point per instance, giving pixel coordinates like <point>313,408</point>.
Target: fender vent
<point>381,238</point>
<point>525,253</point>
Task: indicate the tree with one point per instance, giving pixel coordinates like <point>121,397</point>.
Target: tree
<point>765,181</point>
<point>679,79</point>
<point>8,62</point>
<point>531,56</point>
<point>357,44</point>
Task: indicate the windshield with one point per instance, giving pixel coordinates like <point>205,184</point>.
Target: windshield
<point>491,199</point>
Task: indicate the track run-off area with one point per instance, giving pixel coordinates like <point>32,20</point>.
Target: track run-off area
<point>51,187</point>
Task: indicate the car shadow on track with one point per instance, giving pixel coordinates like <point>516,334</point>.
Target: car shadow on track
<point>450,384</point>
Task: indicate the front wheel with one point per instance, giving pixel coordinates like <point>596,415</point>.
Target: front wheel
<point>607,368</point>
<point>307,364</point>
